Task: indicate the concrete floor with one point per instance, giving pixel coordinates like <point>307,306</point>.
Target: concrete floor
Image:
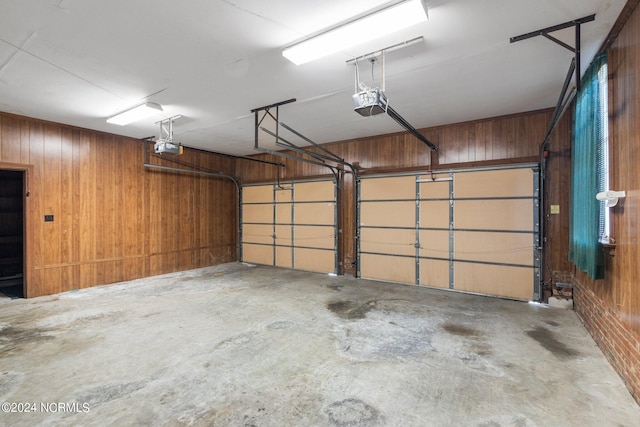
<point>235,345</point>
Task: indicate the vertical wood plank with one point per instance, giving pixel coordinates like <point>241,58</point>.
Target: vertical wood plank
<point>24,142</point>
<point>66,225</point>
<point>36,150</point>
<point>52,197</point>
<point>10,140</point>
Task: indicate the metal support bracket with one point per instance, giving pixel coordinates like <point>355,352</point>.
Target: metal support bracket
<point>545,33</point>
<point>322,157</point>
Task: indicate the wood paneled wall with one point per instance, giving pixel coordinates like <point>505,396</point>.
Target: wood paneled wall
<point>507,139</point>
<point>621,289</point>
<point>557,267</point>
<point>114,219</point>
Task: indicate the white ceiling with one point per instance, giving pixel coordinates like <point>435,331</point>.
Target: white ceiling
<point>213,61</point>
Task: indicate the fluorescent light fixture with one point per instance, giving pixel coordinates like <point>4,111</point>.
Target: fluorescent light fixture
<point>135,114</point>
<point>377,23</point>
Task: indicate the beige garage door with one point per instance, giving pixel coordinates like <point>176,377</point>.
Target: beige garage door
<point>291,225</point>
<point>468,230</point>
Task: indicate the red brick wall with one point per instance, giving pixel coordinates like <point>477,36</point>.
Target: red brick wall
<point>618,342</point>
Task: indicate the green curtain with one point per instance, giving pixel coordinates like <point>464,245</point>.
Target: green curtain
<point>584,249</point>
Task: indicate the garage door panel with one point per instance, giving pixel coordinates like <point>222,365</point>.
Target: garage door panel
<point>283,196</point>
<point>389,268</point>
<point>434,214</point>
<point>257,233</point>
<point>314,213</point>
<point>267,209</point>
<point>316,237</point>
<point>514,214</point>
<point>390,241</point>
<point>434,273</point>
<point>257,254</point>
<point>434,243</point>
<point>504,281</point>
<point>394,188</point>
<point>283,213</point>
<point>506,248</point>
<point>283,257</point>
<point>314,191</point>
<point>321,261</point>
<point>394,214</point>
<point>495,183</point>
<point>490,237</point>
<point>257,194</point>
<point>258,213</point>
<point>434,190</point>
<point>283,234</point>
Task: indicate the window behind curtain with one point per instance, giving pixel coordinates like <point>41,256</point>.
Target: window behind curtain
<point>603,151</point>
<point>588,218</point>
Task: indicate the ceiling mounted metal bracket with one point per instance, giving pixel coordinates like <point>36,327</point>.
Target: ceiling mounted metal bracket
<point>575,50</point>
<point>166,133</point>
<point>166,144</point>
<point>387,49</point>
<point>269,114</point>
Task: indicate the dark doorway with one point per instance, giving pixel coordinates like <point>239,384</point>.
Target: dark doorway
<point>12,233</point>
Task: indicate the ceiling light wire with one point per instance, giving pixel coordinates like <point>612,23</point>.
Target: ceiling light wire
<point>373,61</point>
<point>383,76</point>
<point>357,76</point>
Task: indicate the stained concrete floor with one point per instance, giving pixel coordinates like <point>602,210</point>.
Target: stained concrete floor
<point>235,345</point>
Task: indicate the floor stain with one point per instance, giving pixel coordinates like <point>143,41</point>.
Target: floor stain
<point>477,344</point>
<point>552,323</point>
<point>15,338</point>
<point>461,330</point>
<point>482,349</point>
<point>351,310</point>
<point>352,412</point>
<point>548,340</point>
